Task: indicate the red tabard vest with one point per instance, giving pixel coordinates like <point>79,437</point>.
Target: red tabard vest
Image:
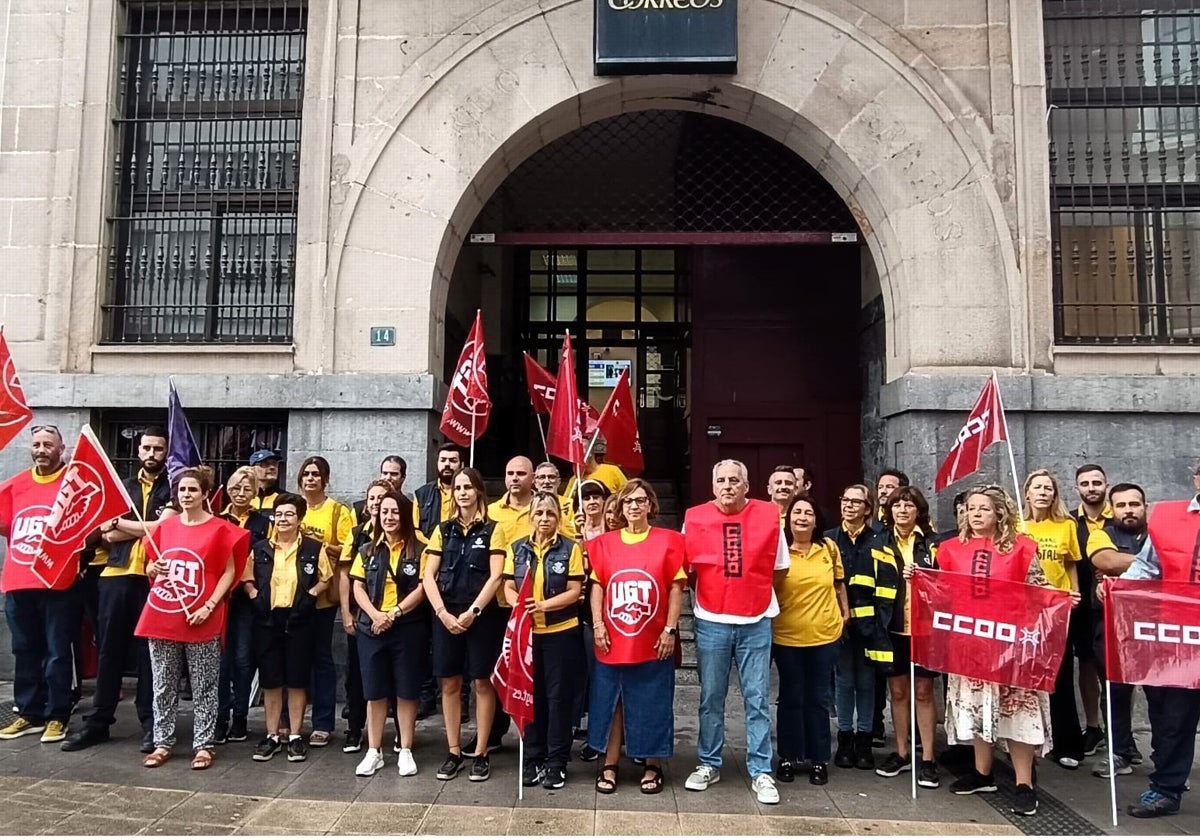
<point>197,555</point>
<point>637,580</point>
<point>1175,534</point>
<point>24,506</point>
<point>733,556</point>
<point>979,557</point>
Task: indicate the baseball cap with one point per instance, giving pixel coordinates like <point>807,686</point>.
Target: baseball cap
<point>261,455</point>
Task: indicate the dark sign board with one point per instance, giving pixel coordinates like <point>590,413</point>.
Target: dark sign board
<point>665,36</point>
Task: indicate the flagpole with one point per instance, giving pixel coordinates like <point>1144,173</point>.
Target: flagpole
<point>158,551</point>
<point>520,767</point>
<point>912,720</point>
<point>1012,462</point>
<point>542,429</point>
<point>1112,769</point>
<point>471,457</point>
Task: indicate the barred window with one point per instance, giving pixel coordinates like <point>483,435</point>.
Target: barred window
<point>203,234</point>
<point>1123,82</point>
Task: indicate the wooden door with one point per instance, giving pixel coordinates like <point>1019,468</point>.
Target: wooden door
<point>775,371</point>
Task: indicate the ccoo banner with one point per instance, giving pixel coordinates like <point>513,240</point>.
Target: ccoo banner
<point>665,36</point>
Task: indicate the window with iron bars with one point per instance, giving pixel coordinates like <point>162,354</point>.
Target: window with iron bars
<point>203,234</point>
<point>225,443</point>
<point>1123,83</point>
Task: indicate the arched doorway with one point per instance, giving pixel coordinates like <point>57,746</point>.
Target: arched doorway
<point>710,259</point>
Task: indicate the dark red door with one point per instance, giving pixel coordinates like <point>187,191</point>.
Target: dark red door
<point>775,371</point>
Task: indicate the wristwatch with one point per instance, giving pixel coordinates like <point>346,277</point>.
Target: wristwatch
<point>397,612</point>
<point>476,611</point>
<point>672,631</point>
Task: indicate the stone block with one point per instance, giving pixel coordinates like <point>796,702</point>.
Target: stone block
<point>943,13</point>
<point>803,53</point>
<point>30,86</point>
<point>27,174</point>
<point>394,17</point>
<point>33,37</point>
<point>959,46</point>
<point>760,26</point>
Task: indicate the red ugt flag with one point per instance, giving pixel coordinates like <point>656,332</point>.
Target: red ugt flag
<point>14,411</point>
<point>1152,632</point>
<point>989,629</point>
<point>985,425</point>
<point>513,674</point>
<point>468,406</point>
<point>88,494</point>
<point>564,439</point>
<point>542,385</point>
<point>618,424</point>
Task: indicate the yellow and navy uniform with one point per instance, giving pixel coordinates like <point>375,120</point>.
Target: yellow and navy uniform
<point>330,522</point>
<point>285,571</point>
<point>809,612</point>
<point>892,553</point>
<point>553,564</point>
<point>513,523</point>
<point>128,557</point>
<point>1058,548</point>
<point>265,501</point>
<point>428,512</point>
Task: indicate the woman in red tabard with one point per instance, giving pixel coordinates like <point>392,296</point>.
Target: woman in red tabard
<point>639,578</point>
<point>195,558</point>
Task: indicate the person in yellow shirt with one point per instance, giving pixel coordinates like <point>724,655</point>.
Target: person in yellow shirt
<point>1047,521</point>
<point>555,563</point>
<point>546,479</point>
<point>610,475</point>
<point>1093,515</point>
<point>331,522</point>
<point>806,637</point>
<point>286,576</point>
<point>393,630</point>
<point>266,464</point>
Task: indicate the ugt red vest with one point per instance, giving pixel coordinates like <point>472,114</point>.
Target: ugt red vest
<point>733,556</point>
<point>1175,534</point>
<point>637,581</point>
<point>980,557</point>
<point>24,505</point>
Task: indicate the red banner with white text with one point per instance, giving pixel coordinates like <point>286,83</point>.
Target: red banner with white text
<point>1152,632</point>
<point>513,674</point>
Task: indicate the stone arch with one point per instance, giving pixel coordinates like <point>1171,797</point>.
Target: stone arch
<point>834,86</point>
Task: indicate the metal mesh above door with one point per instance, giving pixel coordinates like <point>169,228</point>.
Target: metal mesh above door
<point>666,171</point>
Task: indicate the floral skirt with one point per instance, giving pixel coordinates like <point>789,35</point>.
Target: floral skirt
<point>996,714</point>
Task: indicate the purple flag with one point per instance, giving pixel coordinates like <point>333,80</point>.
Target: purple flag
<point>182,451</point>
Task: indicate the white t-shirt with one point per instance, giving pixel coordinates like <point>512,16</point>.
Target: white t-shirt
<point>783,560</point>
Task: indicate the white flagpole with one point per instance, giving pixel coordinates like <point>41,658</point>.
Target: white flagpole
<point>1012,462</point>
<point>912,719</point>
<point>542,430</point>
<point>471,458</point>
<point>520,767</point>
<point>1112,769</point>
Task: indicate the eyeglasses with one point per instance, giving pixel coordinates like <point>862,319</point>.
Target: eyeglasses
<point>286,514</point>
<point>636,501</point>
<point>848,501</point>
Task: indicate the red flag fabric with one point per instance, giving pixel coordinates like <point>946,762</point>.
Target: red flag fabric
<point>90,493</point>
<point>14,411</point>
<point>618,424</point>
<point>1152,632</point>
<point>564,438</point>
<point>542,386</point>
<point>513,674</point>
<point>468,406</point>
<point>985,425</point>
<point>989,629</point>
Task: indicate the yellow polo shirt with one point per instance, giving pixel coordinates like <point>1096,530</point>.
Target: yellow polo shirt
<point>609,475</point>
<point>330,522</point>
<point>1094,525</point>
<point>809,613</point>
<point>391,596</point>
<point>538,588</point>
<point>1058,545</point>
<point>283,574</point>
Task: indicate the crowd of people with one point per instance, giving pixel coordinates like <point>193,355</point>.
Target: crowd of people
<point>425,587</point>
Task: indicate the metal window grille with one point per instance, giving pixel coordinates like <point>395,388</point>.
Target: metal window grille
<point>202,239</point>
<point>224,443</point>
<point>1123,82</point>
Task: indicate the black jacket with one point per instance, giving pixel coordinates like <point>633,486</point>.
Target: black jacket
<point>308,558</point>
<point>159,496</point>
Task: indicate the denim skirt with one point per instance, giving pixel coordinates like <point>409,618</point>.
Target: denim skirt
<point>647,695</point>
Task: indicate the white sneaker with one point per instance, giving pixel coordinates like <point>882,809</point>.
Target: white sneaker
<point>702,777</point>
<point>406,765</point>
<point>371,764</point>
<point>764,789</point>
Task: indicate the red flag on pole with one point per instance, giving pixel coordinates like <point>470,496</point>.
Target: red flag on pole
<point>989,628</point>
<point>513,674</point>
<point>465,416</point>
<point>1152,632</point>
<point>565,436</point>
<point>14,411</point>
<point>618,424</point>
<point>542,386</point>
<point>88,494</point>
<point>985,425</point>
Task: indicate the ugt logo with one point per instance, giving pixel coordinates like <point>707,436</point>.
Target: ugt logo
<point>25,536</point>
<point>467,383</point>
<point>181,587</point>
<point>631,599</point>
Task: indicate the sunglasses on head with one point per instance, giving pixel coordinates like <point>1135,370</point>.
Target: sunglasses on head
<point>46,427</point>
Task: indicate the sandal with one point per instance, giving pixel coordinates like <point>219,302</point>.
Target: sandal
<point>157,758</point>
<point>203,759</point>
<point>605,784</point>
<point>654,784</point>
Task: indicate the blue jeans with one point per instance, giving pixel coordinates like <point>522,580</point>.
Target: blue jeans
<point>717,645</point>
<point>42,622</point>
<point>324,679</point>
<point>237,661</point>
<point>802,719</point>
<point>854,687</point>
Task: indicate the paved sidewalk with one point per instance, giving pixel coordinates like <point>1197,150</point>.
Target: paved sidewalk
<point>105,790</point>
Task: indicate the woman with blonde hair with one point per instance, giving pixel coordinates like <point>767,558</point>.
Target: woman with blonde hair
<point>1057,536</point>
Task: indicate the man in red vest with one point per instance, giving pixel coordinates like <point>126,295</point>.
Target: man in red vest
<point>1172,553</point>
<point>735,550</point>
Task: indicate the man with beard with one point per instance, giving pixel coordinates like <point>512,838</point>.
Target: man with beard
<point>266,469</point>
<point>43,621</point>
<point>1112,549</point>
<point>435,500</point>
<point>122,592</point>
<point>393,469</point>
<point>1094,513</point>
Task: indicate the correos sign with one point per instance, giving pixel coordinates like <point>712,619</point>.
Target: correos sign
<point>642,37</point>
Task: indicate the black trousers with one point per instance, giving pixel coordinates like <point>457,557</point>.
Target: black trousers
<point>1121,733</point>
<point>356,704</point>
<point>556,668</point>
<point>1064,715</point>
<point>120,603</point>
<point>1174,717</point>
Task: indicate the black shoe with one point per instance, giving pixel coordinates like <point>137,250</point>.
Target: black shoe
<point>427,709</point>
<point>878,737</point>
<point>864,759</point>
<point>587,753</point>
<point>147,743</point>
<point>84,738</point>
<point>785,771</point>
<point>297,750</point>
<point>818,775</point>
<point>974,782</point>
<point>1025,802</point>
<point>533,775</point>
<point>1154,804</point>
<point>927,775</point>
<point>267,748</point>
<point>481,769</point>
<point>555,779</point>
<point>221,734</point>
<point>450,767</point>
<point>238,731</point>
<point>353,741</point>
<point>894,765</point>
<point>844,757</point>
<point>495,746</point>
<point>1093,740</point>
<point>579,734</point>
